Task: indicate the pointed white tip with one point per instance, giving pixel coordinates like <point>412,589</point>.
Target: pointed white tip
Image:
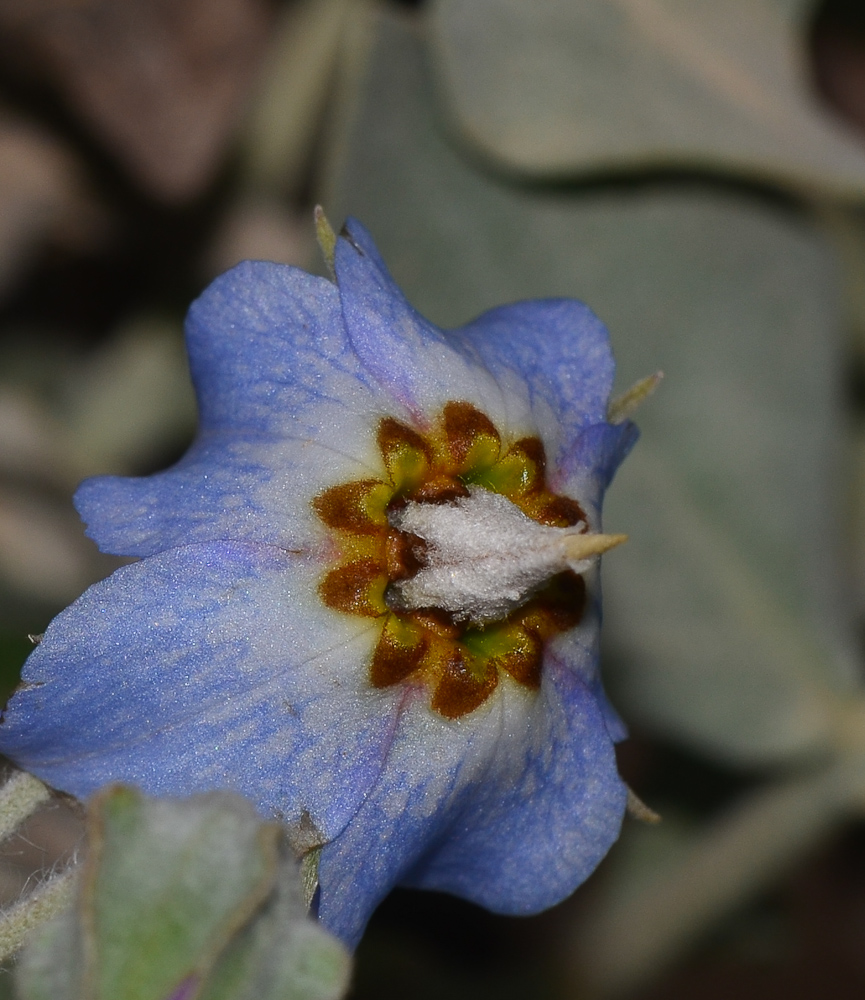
<point>580,547</point>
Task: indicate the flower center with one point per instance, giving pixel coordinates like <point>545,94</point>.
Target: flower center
<point>481,557</point>
<point>462,553</point>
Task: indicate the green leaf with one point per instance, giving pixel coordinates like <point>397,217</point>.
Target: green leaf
<point>281,956</point>
<point>193,898</point>
<point>50,967</point>
<point>555,88</point>
<point>722,611</point>
<point>165,888</point>
<point>292,90</point>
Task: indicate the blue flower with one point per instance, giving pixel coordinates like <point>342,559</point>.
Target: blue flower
<point>367,596</point>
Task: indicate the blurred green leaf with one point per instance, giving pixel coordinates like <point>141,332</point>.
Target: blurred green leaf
<point>166,888</point>
<point>847,228</point>
<point>14,650</point>
<point>640,923</point>
<point>42,196</point>
<point>45,558</point>
<point>188,899</point>
<point>50,966</point>
<point>282,955</point>
<point>161,87</point>
<point>297,75</point>
<point>34,911</point>
<point>555,88</point>
<point>723,610</point>
<point>129,400</point>
<point>111,411</point>
<point>119,409</point>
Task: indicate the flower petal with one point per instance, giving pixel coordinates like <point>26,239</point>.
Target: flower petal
<point>266,343</point>
<point>541,367</point>
<point>286,410</point>
<point>414,361</point>
<point>211,666</point>
<point>577,648</point>
<point>586,466</point>
<point>227,487</point>
<point>561,350</point>
<point>512,807</point>
<point>549,810</point>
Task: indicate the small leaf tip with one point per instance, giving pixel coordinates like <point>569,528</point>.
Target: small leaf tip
<point>639,810</point>
<point>623,406</point>
<point>326,238</point>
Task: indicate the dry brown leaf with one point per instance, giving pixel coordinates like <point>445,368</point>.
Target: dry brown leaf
<point>44,553</point>
<point>261,229</point>
<point>162,82</point>
<point>41,195</point>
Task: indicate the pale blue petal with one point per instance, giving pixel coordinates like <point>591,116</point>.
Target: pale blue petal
<point>562,352</point>
<point>227,487</point>
<point>511,807</point>
<point>265,343</point>
<point>211,666</point>
<point>548,810</point>
<point>587,465</point>
<point>615,726</point>
<point>578,648</point>
<point>286,410</point>
<point>414,362</point>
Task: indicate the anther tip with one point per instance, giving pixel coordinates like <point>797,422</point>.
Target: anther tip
<point>579,547</point>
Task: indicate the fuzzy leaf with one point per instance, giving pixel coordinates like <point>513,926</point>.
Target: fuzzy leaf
<point>282,955</point>
<point>183,898</point>
<point>555,88</point>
